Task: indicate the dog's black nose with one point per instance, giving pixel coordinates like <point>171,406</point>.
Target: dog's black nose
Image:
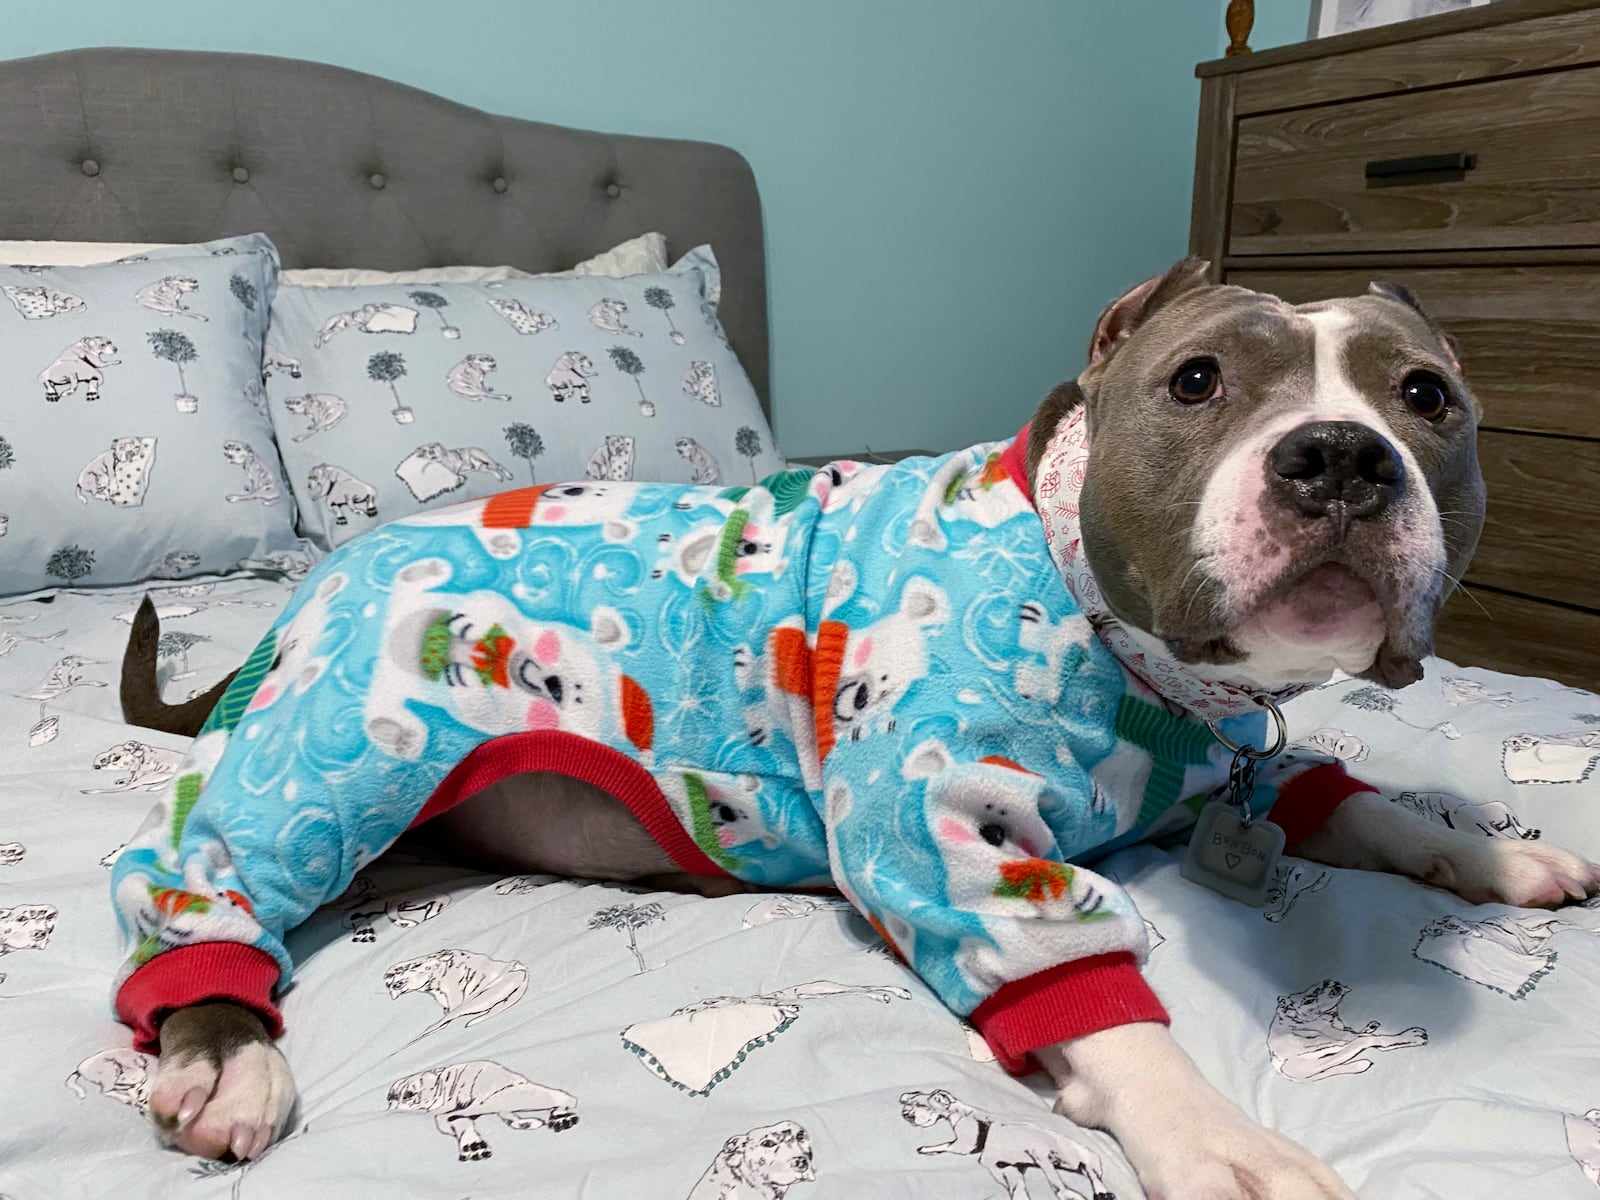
<point>1338,469</point>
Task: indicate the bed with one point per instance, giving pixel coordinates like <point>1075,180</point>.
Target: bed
<point>447,1026</point>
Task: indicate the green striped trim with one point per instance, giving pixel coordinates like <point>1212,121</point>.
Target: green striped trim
<point>184,794</point>
<point>728,553</point>
<point>1173,743</point>
<point>701,826</point>
<point>230,709</point>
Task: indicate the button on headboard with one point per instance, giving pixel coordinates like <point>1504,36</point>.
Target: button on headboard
<point>343,169</point>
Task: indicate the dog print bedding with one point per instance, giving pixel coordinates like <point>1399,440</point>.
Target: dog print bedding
<point>459,1033</point>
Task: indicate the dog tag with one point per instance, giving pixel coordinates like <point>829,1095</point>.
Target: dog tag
<point>1230,857</point>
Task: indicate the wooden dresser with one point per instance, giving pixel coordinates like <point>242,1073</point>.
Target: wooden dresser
<point>1460,155</point>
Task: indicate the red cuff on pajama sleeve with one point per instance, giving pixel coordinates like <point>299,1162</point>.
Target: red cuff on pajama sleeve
<point>196,974</point>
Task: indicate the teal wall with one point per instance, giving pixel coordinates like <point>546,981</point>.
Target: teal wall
<point>953,188</point>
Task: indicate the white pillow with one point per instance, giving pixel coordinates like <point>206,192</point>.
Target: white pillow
<point>643,255</point>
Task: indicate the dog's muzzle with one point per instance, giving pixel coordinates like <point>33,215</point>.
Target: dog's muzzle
<point>1338,469</point>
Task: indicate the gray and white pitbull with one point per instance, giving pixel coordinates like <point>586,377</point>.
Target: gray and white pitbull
<point>1272,492</point>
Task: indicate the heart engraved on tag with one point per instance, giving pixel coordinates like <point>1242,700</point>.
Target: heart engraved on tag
<point>1230,857</point>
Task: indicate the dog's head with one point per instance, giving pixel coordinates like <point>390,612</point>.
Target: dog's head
<point>1275,490</point>
<point>127,755</point>
<point>26,927</point>
<point>1319,1002</point>
<point>417,1093</point>
<point>416,974</point>
<point>777,1156</point>
<point>923,1109</point>
<point>98,350</point>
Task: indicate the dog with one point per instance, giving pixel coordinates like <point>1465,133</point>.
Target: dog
<point>340,493</point>
<point>165,296</point>
<point>1008,1150</point>
<point>121,475</point>
<point>462,1093</point>
<point>1309,1040</point>
<point>762,1164</point>
<point>1259,504</point>
<point>467,985</point>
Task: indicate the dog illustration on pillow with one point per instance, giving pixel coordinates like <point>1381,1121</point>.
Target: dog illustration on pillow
<point>121,475</point>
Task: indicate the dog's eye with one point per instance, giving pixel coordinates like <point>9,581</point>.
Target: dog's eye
<point>1197,381</point>
<point>1427,394</point>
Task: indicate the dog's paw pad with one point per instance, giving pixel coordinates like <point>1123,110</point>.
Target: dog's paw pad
<point>561,1122</point>
<point>476,1152</point>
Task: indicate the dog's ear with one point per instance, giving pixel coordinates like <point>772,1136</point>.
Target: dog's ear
<point>733,1149</point>
<point>1401,294</point>
<point>1125,314</point>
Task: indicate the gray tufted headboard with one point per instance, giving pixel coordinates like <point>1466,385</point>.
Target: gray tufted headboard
<point>345,169</point>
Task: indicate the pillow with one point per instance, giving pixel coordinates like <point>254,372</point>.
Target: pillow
<point>643,255</point>
<point>134,441</point>
<point>389,400</point>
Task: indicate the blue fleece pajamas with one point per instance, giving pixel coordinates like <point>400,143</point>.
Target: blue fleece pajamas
<point>871,677</point>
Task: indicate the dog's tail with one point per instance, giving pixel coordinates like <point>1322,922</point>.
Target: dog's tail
<point>77,1088</point>
<point>141,694</point>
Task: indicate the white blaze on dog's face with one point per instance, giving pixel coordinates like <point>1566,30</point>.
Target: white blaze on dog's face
<point>1276,491</point>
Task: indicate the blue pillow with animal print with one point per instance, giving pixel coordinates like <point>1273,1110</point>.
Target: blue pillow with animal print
<point>392,398</point>
<point>134,441</point>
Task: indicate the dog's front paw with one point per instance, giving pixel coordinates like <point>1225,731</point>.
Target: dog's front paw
<point>1232,1160</point>
<point>221,1087</point>
<point>1522,873</point>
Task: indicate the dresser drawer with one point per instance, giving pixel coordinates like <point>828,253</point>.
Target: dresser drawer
<point>1544,508</point>
<point>1301,178</point>
<point>1530,336</point>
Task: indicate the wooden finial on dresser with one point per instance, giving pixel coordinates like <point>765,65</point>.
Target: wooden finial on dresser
<point>1240,19</point>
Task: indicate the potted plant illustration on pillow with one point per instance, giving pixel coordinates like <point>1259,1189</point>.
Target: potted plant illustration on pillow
<point>7,457</point>
<point>245,293</point>
<point>660,298</point>
<point>747,444</point>
<point>434,302</point>
<point>525,443</point>
<point>171,346</point>
<point>629,363</point>
<point>386,366</point>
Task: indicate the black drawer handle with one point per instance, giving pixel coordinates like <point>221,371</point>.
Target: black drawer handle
<point>1419,168</point>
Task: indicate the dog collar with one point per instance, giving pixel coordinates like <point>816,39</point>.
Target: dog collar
<point>1059,483</point>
